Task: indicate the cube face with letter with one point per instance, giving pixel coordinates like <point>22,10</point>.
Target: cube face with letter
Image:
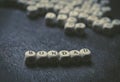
<point>30,58</point>
<point>50,19</point>
<point>85,55</point>
<point>42,58</point>
<point>75,57</point>
<point>69,28</point>
<point>64,58</point>
<point>61,20</point>
<point>53,57</point>
<point>80,29</point>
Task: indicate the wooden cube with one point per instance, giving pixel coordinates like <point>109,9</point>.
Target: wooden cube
<point>80,29</point>
<point>30,58</point>
<point>32,11</point>
<point>72,20</point>
<point>83,17</point>
<point>61,20</point>
<point>69,28</point>
<point>53,58</point>
<point>85,54</point>
<point>42,58</point>
<point>64,57</point>
<point>57,8</point>
<point>75,57</point>
<point>97,26</point>
<point>50,19</point>
<point>107,29</point>
<point>73,14</point>
<point>90,20</point>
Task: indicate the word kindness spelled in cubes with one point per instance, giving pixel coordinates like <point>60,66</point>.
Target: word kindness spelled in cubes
<point>53,57</point>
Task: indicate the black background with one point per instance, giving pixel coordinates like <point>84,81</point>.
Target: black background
<point>18,34</point>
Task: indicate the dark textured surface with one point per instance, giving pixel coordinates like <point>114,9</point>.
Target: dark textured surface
<point>18,34</point>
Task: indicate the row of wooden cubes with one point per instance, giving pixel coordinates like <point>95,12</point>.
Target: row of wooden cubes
<point>63,57</point>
